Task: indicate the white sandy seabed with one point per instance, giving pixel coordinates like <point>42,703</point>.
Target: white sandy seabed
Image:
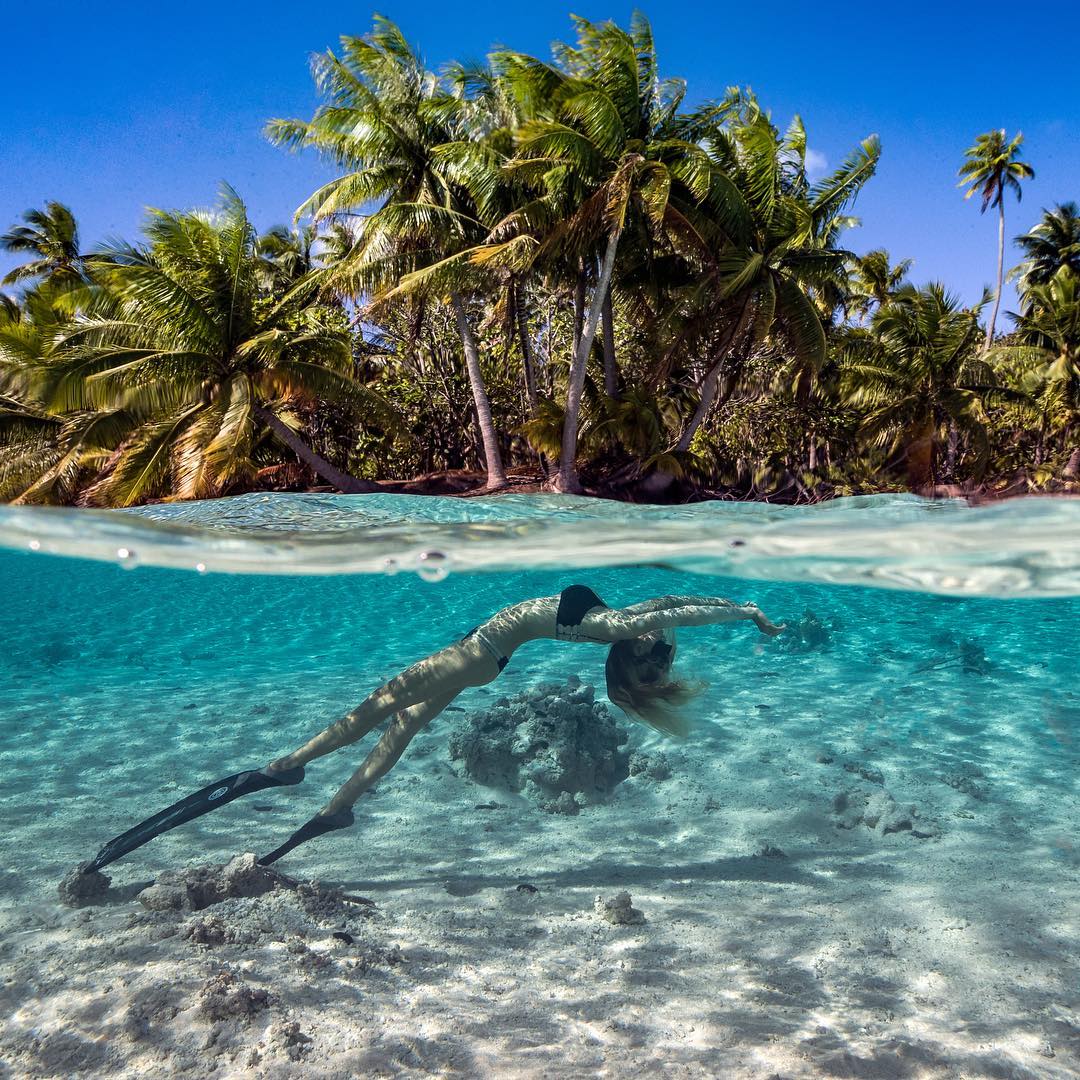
<point>777,943</point>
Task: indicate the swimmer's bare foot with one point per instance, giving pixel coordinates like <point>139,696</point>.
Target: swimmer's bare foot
<point>766,626</point>
<point>283,772</point>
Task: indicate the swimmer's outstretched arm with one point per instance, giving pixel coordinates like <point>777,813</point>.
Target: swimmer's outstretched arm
<point>619,624</point>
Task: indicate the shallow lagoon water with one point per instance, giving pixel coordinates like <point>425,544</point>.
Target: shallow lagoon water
<point>784,936</point>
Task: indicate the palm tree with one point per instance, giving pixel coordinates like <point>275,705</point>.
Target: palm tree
<point>382,121</point>
<point>914,375</point>
<point>992,166</point>
<point>609,156</point>
<point>759,243</point>
<point>874,280</point>
<point>29,436</point>
<point>1052,244</point>
<point>47,455</point>
<point>1049,349</point>
<point>186,362</point>
<point>51,236</point>
<point>30,448</point>
<point>286,256</point>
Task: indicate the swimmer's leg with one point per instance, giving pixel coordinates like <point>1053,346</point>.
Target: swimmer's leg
<point>449,671</point>
<point>192,806</point>
<point>337,814</point>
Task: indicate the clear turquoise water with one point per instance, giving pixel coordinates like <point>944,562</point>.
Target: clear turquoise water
<point>112,660</point>
<point>131,677</point>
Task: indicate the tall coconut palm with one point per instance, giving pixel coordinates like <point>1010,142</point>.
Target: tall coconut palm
<point>915,373</point>
<point>991,167</point>
<point>190,362</point>
<point>874,280</point>
<point>286,256</point>
<point>1049,348</point>
<point>1048,246</point>
<point>381,121</point>
<point>759,239</point>
<point>608,157</point>
<point>51,237</point>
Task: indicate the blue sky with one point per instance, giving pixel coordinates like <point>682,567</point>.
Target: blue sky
<point>114,107</point>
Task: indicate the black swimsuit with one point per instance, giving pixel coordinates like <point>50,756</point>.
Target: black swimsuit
<point>575,603</point>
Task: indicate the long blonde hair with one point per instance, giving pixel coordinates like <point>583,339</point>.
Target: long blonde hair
<point>640,685</point>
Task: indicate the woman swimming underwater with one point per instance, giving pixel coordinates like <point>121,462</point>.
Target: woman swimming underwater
<point>638,673</point>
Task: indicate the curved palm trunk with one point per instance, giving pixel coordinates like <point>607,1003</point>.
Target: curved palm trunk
<point>350,485</point>
<point>708,387</point>
<point>567,480</point>
<point>1072,466</point>
<point>658,482</point>
<point>611,371</point>
<point>496,477</point>
<point>1000,276</point>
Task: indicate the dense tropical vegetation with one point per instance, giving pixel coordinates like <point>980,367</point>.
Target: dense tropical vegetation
<point>550,271</point>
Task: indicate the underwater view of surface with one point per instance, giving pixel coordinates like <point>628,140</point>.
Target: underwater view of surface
<point>863,860</point>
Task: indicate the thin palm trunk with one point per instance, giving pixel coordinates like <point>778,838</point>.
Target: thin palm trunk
<point>579,308</point>
<point>658,482</point>
<point>496,477</point>
<point>350,485</point>
<point>1000,276</point>
<point>528,361</point>
<point>952,451</point>
<point>708,386</point>
<point>567,480</point>
<point>611,371</point>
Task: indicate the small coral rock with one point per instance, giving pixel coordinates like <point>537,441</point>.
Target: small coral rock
<point>870,773</point>
<point>79,889</point>
<point>208,930</point>
<point>289,1038</point>
<point>162,898</point>
<point>618,910</point>
<point>243,876</point>
<point>225,997</point>
<point>880,812</point>
<point>198,887</point>
<point>553,743</point>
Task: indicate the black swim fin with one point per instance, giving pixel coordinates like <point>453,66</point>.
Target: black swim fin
<point>201,802</point>
<point>319,824</point>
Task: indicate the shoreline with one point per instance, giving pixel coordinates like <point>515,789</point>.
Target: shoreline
<point>466,484</point>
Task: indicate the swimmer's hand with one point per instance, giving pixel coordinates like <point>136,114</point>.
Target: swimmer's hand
<point>764,624</point>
